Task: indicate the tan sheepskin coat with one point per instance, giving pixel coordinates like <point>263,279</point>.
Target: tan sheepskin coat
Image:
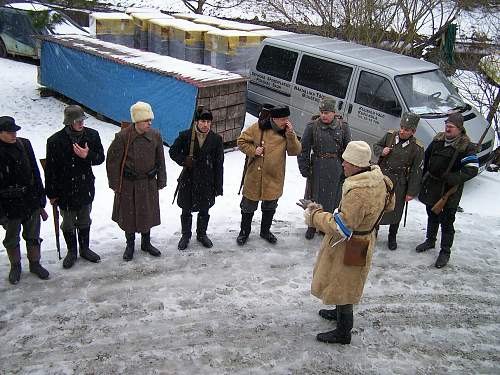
<point>265,175</point>
<point>363,199</point>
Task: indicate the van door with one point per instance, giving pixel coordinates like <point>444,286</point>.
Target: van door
<point>375,108</point>
<point>316,78</point>
<point>270,78</point>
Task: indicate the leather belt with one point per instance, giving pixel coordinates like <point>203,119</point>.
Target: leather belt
<point>326,155</point>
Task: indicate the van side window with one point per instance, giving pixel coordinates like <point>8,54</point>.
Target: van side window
<point>324,76</point>
<point>376,92</point>
<point>277,62</point>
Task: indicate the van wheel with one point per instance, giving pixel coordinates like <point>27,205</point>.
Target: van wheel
<point>3,50</point>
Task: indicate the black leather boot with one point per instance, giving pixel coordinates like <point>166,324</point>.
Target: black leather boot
<point>245,228</point>
<point>70,258</point>
<point>443,258</point>
<point>341,335</point>
<point>146,245</point>
<point>37,269</point>
<point>129,250</point>
<point>430,242</point>
<point>310,232</point>
<point>84,241</point>
<point>186,223</point>
<point>201,231</point>
<point>328,314</point>
<point>391,240</point>
<point>15,273</point>
<point>265,226</point>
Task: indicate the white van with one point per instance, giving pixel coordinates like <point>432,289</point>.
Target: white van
<point>372,88</point>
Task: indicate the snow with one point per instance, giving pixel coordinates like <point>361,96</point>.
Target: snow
<point>242,310</point>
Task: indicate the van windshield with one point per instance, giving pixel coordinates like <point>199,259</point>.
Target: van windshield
<point>429,93</point>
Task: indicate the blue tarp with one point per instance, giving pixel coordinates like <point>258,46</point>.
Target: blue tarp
<point>110,88</point>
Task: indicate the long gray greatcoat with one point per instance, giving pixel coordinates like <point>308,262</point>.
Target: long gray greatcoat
<point>403,165</point>
<point>325,175</point>
<point>363,199</point>
<point>136,208</point>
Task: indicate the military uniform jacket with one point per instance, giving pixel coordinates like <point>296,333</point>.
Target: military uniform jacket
<point>403,166</point>
<point>265,174</point>
<point>199,185</point>
<point>68,177</point>
<point>18,169</point>
<point>324,174</point>
<point>437,157</point>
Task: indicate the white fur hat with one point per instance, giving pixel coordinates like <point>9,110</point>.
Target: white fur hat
<point>141,111</point>
<point>358,153</point>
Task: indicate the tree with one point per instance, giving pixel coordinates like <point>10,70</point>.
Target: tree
<point>197,6</point>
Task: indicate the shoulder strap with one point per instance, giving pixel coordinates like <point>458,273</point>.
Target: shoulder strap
<point>125,153</point>
<point>27,157</point>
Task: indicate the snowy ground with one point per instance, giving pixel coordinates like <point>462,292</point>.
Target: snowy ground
<point>243,310</point>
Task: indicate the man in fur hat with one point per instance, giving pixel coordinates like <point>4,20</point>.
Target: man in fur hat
<point>323,142</point>
<point>202,178</point>
<point>266,144</point>
<point>366,195</point>
<point>22,199</point>
<point>400,157</point>
<point>449,161</point>
<point>136,172</point>
<point>71,153</point>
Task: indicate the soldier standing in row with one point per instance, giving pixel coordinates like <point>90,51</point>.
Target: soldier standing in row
<point>136,172</point>
<point>267,143</point>
<point>449,161</point>
<point>400,157</point>
<point>22,199</point>
<point>71,153</point>
<point>320,161</point>
<point>202,177</point>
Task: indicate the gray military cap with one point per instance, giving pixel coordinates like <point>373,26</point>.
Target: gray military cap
<point>327,105</point>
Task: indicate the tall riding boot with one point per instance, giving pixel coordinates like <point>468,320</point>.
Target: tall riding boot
<point>201,230</point>
<point>447,236</point>
<point>15,265</point>
<point>391,240</point>
<point>34,259</point>
<point>129,250</point>
<point>430,242</point>
<point>84,241</point>
<point>246,227</point>
<point>146,245</point>
<point>70,258</point>
<point>186,223</point>
<point>341,335</point>
<point>265,226</point>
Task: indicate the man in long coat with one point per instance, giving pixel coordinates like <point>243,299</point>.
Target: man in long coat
<point>69,181</point>
<point>365,196</point>
<point>449,161</point>
<point>323,142</point>
<point>136,172</point>
<point>22,199</point>
<point>266,144</point>
<point>202,177</point>
<point>401,157</point>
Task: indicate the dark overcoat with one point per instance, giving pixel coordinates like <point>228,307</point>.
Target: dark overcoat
<point>19,170</point>
<point>199,185</point>
<point>403,165</point>
<point>68,177</point>
<point>436,182</point>
<point>136,206</point>
<point>324,173</point>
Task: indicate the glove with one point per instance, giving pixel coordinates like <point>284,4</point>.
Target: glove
<point>303,203</point>
<point>188,162</point>
<point>310,210</point>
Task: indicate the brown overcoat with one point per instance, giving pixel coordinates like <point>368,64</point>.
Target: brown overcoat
<point>136,208</point>
<point>363,199</point>
<point>265,175</point>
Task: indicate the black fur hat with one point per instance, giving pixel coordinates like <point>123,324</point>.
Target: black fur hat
<point>280,112</point>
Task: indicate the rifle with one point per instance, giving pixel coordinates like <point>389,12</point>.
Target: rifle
<point>439,206</point>
<point>55,215</point>
<point>265,111</point>
<point>392,138</point>
<point>191,150</point>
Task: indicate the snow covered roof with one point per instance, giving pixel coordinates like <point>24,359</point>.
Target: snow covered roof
<point>165,22</point>
<point>233,25</point>
<point>150,15</point>
<point>110,16</point>
<point>28,6</point>
<point>195,74</point>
